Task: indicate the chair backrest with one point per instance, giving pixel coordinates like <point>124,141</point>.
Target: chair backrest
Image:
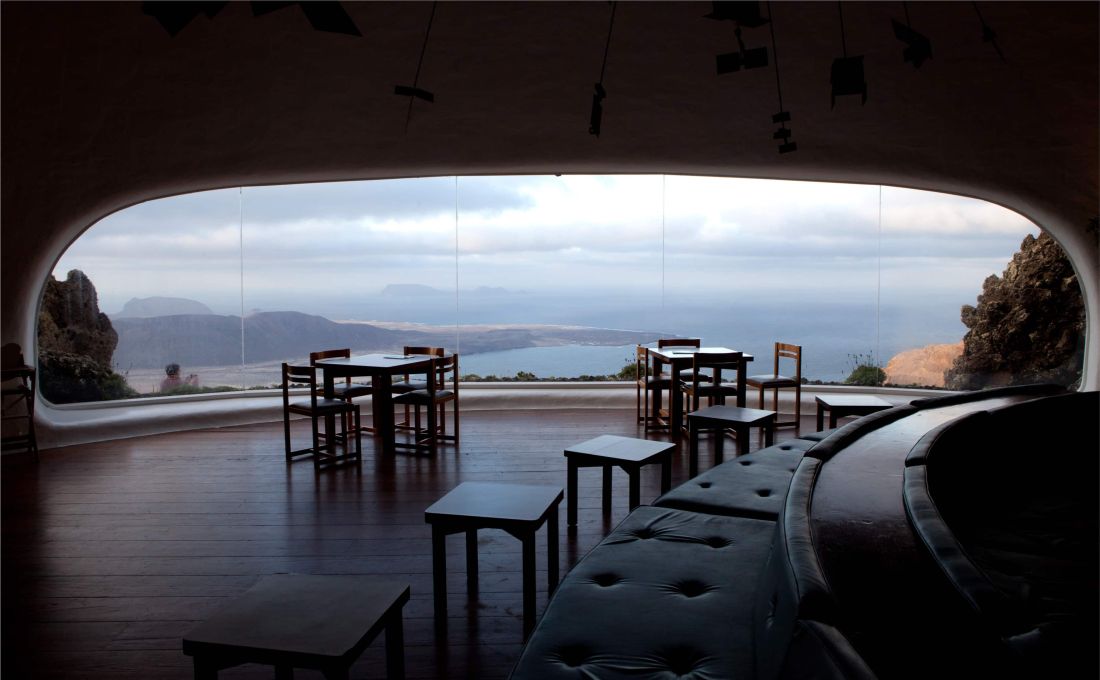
<point>678,342</point>
<point>641,363</point>
<point>437,375</point>
<point>344,353</point>
<point>11,356</point>
<point>430,351</point>
<point>299,375</point>
<point>716,362</point>
<point>785,351</point>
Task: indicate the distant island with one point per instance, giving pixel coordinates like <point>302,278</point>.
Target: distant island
<point>160,306</point>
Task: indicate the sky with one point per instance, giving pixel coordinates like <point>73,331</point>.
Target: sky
<point>664,238</point>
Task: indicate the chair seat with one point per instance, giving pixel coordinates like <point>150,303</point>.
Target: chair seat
<point>423,397</point>
<point>770,381</point>
<point>323,405</point>
<point>408,386</point>
<point>685,375</point>
<point>352,391</point>
<point>658,382</point>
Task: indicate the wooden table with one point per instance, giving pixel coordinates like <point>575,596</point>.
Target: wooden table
<point>680,358</point>
<point>381,368</point>
<point>840,405</point>
<point>301,621</point>
<point>518,509</point>
<point>610,450</point>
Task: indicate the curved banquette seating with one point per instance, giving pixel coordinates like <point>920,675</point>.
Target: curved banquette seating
<point>952,537</point>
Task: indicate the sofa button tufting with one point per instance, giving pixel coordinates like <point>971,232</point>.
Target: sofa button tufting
<point>718,541</point>
<point>745,462</point>
<point>606,580</point>
<point>643,533</point>
<point>705,485</point>
<point>692,588</point>
<point>573,655</point>
<point>763,493</point>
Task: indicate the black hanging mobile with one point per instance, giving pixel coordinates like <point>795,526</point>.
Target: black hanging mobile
<point>595,118</point>
<point>414,92</point>
<point>783,134</point>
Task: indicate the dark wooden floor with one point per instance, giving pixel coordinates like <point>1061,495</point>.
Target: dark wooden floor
<point>113,551</point>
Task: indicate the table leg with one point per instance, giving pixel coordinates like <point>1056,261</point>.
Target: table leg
<point>471,562</point>
<point>330,419</point>
<point>742,440</point>
<point>675,401</point>
<point>820,417</point>
<point>606,489</point>
<point>439,573</point>
<point>552,550</point>
<point>634,474</point>
<point>333,673</point>
<point>769,432</point>
<point>666,473</point>
<point>395,647</point>
<point>832,417</point>
<point>528,583</point>
<point>720,444</point>
<point>283,672</point>
<point>382,408</point>
<point>571,489</point>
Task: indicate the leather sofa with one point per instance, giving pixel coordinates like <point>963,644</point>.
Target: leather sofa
<point>890,548</point>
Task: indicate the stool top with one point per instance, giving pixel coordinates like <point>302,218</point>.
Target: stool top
<point>614,447</point>
<point>495,504</point>
<point>732,414</point>
<point>300,616</point>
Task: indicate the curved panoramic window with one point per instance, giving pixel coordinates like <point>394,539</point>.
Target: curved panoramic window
<point>542,277</point>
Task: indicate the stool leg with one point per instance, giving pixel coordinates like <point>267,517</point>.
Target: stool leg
<point>552,549</point>
<point>666,474</point>
<point>635,487</point>
<point>205,670</point>
<point>528,584</point>
<point>693,447</point>
<point>571,489</point>
<point>820,418</point>
<point>769,432</point>
<point>471,561</point>
<point>439,573</point>
<point>742,440</point>
<point>286,672</point>
<point>606,489</point>
<point>395,648</point>
<point>720,444</point>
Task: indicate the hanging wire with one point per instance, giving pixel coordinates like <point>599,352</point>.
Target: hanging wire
<point>458,334</point>
<point>664,178</point>
<point>607,47</point>
<point>905,6</point>
<point>878,284</point>
<point>240,232</point>
<point>419,63</point>
<point>775,57</point>
<point>843,41</point>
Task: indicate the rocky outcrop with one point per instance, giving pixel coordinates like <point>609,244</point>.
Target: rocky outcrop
<point>75,344</point>
<point>69,320</point>
<point>1028,325</point>
<point>922,367</point>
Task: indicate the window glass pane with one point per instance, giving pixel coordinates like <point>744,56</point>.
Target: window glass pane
<point>166,274</point>
<point>556,274</point>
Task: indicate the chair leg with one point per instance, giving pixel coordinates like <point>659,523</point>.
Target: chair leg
<point>433,433</point>
<point>286,436</point>
<point>358,434</point>
<point>316,443</point>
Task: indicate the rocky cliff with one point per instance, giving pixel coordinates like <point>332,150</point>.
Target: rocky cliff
<point>1028,324</point>
<point>75,344</point>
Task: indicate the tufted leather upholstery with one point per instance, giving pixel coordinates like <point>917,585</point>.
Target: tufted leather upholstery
<point>668,594</point>
<point>752,485</point>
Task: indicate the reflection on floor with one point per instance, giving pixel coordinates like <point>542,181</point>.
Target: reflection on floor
<point>113,551</point>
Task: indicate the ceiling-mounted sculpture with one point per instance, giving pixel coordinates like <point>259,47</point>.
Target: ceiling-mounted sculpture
<point>743,14</point>
<point>846,75</point>
<point>783,134</point>
<point>918,46</point>
<point>329,17</point>
<point>988,35</point>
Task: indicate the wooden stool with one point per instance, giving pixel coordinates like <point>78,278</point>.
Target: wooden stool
<point>841,405</point>
<point>723,418</point>
<point>300,621</point>
<point>518,509</point>
<point>627,453</point>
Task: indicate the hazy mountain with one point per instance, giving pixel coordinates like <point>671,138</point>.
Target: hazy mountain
<point>215,340</point>
<point>160,306</point>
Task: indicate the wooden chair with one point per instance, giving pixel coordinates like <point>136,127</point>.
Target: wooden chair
<point>434,398</point>
<point>774,382</point>
<point>346,390</point>
<point>318,407</point>
<point>17,396</point>
<point>414,381</point>
<point>711,385</point>
<point>693,343</point>
<point>645,381</point>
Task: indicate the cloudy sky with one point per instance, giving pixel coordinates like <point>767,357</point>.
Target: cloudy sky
<point>667,237</point>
